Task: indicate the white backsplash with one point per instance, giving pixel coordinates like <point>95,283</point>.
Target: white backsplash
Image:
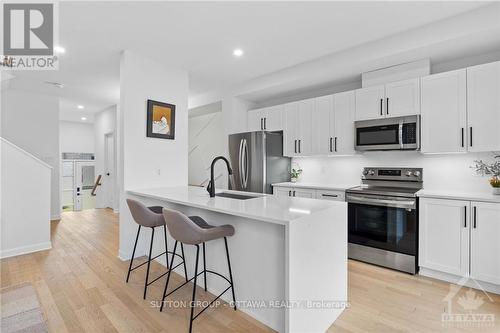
<point>442,172</point>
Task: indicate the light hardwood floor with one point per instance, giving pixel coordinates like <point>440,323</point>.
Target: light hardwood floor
<point>80,284</point>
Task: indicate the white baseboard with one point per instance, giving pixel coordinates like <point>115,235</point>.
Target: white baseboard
<point>55,217</point>
<point>25,250</point>
<point>455,279</point>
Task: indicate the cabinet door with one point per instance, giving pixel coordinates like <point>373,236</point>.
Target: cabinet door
<point>256,120</point>
<point>444,235</point>
<point>305,112</point>
<point>282,191</point>
<point>273,118</point>
<point>443,109</point>
<point>330,195</point>
<point>304,193</point>
<point>370,103</point>
<point>322,140</point>
<point>483,107</point>
<point>485,244</point>
<point>402,98</point>
<point>290,133</point>
<point>343,123</point>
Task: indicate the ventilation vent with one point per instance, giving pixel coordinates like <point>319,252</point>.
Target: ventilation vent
<point>78,156</point>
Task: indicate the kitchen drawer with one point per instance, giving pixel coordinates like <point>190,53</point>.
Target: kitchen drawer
<point>330,195</point>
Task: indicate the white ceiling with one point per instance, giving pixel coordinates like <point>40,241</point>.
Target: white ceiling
<point>200,36</point>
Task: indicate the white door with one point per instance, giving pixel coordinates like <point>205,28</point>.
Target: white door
<point>255,120</point>
<point>84,182</point>
<point>444,235</point>
<point>343,123</point>
<point>282,191</point>
<point>108,179</point>
<point>290,133</point>
<point>322,139</point>
<point>485,244</point>
<point>304,193</point>
<point>370,103</point>
<point>273,118</point>
<point>443,110</point>
<point>305,111</point>
<point>483,107</point>
<point>402,98</point>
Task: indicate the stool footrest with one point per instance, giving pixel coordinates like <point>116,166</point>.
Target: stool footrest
<point>203,271</point>
<point>212,302</point>
<point>144,263</point>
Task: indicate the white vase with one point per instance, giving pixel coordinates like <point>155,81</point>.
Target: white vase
<point>496,190</point>
<point>293,179</point>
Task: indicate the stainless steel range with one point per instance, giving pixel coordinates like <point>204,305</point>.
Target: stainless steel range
<point>383,218</point>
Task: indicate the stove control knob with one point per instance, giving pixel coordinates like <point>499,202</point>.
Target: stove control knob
<point>371,172</point>
<point>408,173</point>
<point>416,173</point>
<point>365,172</point>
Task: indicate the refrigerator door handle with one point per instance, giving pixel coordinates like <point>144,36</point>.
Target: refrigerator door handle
<point>245,164</point>
<point>240,163</point>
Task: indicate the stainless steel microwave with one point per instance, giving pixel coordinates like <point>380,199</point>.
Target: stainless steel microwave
<point>398,133</point>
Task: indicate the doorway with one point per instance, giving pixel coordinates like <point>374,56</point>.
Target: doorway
<point>108,182</point>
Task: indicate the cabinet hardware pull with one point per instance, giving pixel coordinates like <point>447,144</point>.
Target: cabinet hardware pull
<point>289,193</point>
<point>471,136</point>
<point>465,216</point>
<point>387,105</point>
<point>295,146</point>
<point>261,126</point>
<point>299,146</point>
<point>475,217</point>
<point>381,106</point>
<point>265,123</point>
<point>335,144</point>
<point>330,145</point>
<point>330,195</point>
<point>293,193</point>
<point>462,136</point>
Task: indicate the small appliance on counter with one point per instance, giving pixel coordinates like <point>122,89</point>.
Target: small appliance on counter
<point>398,133</point>
<point>257,161</point>
<point>383,218</point>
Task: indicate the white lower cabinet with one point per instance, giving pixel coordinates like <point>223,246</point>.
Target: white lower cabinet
<point>330,195</point>
<point>460,238</point>
<point>301,192</point>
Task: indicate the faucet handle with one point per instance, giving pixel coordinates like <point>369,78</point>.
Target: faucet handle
<point>209,187</point>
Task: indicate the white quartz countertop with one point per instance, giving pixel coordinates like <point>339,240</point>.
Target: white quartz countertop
<point>316,186</point>
<point>268,208</point>
<point>456,195</point>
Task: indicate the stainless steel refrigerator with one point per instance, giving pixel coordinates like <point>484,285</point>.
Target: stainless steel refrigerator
<point>257,161</point>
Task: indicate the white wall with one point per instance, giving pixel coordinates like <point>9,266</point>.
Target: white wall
<point>148,162</point>
<point>76,137</point>
<point>442,172</point>
<point>31,121</point>
<point>206,141</point>
<point>25,193</point>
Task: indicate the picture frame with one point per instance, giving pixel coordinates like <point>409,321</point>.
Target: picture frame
<point>160,120</point>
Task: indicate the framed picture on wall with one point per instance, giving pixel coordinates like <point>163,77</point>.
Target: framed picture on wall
<point>161,120</point>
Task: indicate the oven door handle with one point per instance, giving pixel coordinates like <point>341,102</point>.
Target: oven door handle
<point>408,204</point>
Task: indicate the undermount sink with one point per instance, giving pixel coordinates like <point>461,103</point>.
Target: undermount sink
<point>236,196</point>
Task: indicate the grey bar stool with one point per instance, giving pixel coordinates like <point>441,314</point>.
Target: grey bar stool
<point>151,217</point>
<point>194,230</point>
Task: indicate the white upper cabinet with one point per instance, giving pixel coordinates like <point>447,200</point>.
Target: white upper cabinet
<point>290,133</point>
<point>370,103</point>
<point>323,126</point>
<point>443,110</point>
<point>306,108</point>
<point>485,247</point>
<point>402,98</point>
<point>483,107</point>
<point>343,123</point>
<point>444,235</point>
<point>266,119</point>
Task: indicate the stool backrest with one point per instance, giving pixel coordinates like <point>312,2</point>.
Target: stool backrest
<point>181,228</point>
<point>142,215</point>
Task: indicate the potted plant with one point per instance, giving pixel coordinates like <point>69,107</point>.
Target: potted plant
<point>490,169</point>
<point>295,173</point>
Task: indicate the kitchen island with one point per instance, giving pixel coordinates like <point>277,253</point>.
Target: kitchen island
<point>288,255</point>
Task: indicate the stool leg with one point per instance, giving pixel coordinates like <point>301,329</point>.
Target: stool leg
<point>149,262</point>
<point>230,273</point>
<point>184,262</point>
<point>204,267</point>
<point>166,245</point>
<point>133,253</point>
<point>194,288</point>
<point>168,277</point>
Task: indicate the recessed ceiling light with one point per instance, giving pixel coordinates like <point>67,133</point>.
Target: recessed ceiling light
<point>238,52</point>
<point>81,107</point>
<point>59,49</point>
<point>83,118</point>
